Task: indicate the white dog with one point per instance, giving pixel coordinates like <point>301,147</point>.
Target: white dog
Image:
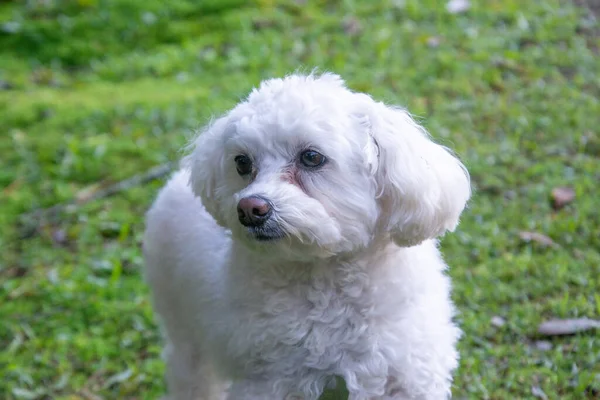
<point>297,243</point>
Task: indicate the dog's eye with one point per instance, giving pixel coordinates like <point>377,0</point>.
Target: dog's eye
<point>312,159</point>
<point>243,164</point>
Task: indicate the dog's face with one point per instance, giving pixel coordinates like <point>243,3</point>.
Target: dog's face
<point>306,168</point>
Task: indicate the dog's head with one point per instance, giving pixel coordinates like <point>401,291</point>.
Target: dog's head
<point>307,168</point>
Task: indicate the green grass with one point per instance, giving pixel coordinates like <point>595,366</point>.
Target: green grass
<point>97,90</point>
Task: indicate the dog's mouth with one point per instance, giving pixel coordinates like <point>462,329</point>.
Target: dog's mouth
<point>265,233</point>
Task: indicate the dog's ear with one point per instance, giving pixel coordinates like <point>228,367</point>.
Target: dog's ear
<point>206,164</point>
<point>423,188</point>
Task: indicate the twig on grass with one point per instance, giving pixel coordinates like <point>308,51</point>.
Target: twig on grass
<point>98,192</point>
<point>88,395</point>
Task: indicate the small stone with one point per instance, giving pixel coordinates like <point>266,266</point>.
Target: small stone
<point>561,196</point>
<point>433,41</point>
<point>498,321</point>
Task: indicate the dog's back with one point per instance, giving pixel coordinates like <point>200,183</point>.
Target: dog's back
<point>183,248</point>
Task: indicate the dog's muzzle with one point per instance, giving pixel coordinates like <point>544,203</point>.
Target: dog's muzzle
<point>254,211</point>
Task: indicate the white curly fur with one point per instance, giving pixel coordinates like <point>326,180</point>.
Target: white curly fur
<point>355,288</point>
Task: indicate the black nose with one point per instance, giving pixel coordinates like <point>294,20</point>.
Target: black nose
<point>253,211</point>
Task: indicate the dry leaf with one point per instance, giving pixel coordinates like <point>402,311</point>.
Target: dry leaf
<point>351,26</point>
<point>536,237</point>
<point>561,196</point>
<point>14,185</point>
<point>458,6</point>
<point>559,327</point>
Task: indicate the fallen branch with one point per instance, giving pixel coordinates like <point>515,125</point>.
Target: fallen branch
<point>560,327</point>
<point>51,213</point>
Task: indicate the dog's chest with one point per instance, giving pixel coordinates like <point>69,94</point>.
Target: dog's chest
<point>314,325</point>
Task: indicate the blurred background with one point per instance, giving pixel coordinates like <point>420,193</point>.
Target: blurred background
<point>97,97</point>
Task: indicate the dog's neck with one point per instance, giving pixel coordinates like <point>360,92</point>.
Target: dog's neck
<point>364,259</point>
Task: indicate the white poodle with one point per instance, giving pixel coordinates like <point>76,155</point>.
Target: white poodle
<point>297,243</point>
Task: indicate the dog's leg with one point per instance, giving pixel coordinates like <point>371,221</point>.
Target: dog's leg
<point>189,377</point>
<point>431,380</point>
